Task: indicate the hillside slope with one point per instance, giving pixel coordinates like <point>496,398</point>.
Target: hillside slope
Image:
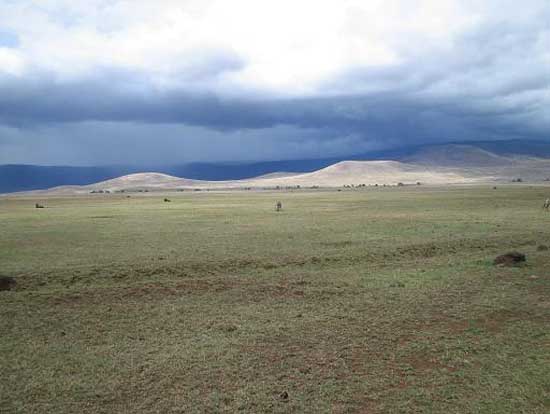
<point>440,164</point>
<point>337,175</point>
<point>471,160</point>
<point>453,155</point>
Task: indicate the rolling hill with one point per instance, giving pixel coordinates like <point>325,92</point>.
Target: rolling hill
<point>343,173</point>
<point>461,156</point>
<point>437,164</point>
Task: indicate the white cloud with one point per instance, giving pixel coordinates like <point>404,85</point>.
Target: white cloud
<point>11,62</point>
<point>288,46</point>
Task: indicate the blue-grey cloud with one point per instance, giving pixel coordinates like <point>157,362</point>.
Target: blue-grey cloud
<point>8,39</point>
<point>491,82</point>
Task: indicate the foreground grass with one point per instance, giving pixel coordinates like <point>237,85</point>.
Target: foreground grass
<point>347,302</point>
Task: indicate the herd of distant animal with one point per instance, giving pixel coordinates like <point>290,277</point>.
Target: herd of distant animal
<point>279,205</point>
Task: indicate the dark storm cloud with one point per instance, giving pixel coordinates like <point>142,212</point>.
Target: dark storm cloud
<point>398,115</point>
<point>491,83</point>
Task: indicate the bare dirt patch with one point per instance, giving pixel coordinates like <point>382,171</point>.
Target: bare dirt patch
<point>244,289</point>
<point>343,243</point>
<point>495,322</point>
<point>424,363</point>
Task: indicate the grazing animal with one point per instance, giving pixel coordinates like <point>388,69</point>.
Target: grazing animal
<point>546,205</point>
<point>167,200</point>
<point>278,206</point>
<point>38,205</point>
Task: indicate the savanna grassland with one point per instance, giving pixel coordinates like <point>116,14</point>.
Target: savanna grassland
<point>360,301</point>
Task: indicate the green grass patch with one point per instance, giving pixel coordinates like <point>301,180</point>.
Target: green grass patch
<point>375,300</point>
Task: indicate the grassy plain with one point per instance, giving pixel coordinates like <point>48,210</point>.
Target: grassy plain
<point>360,301</point>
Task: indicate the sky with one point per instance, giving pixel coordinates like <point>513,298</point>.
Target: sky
<point>163,82</point>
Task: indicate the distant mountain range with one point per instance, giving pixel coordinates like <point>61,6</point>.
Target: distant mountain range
<point>487,160</point>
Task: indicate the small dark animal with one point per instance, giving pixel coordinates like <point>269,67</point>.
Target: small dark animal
<point>509,259</point>
<point>7,283</point>
<point>167,200</point>
<point>38,205</point>
<point>278,206</point>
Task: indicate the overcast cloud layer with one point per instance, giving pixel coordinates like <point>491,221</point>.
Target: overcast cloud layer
<point>106,81</point>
